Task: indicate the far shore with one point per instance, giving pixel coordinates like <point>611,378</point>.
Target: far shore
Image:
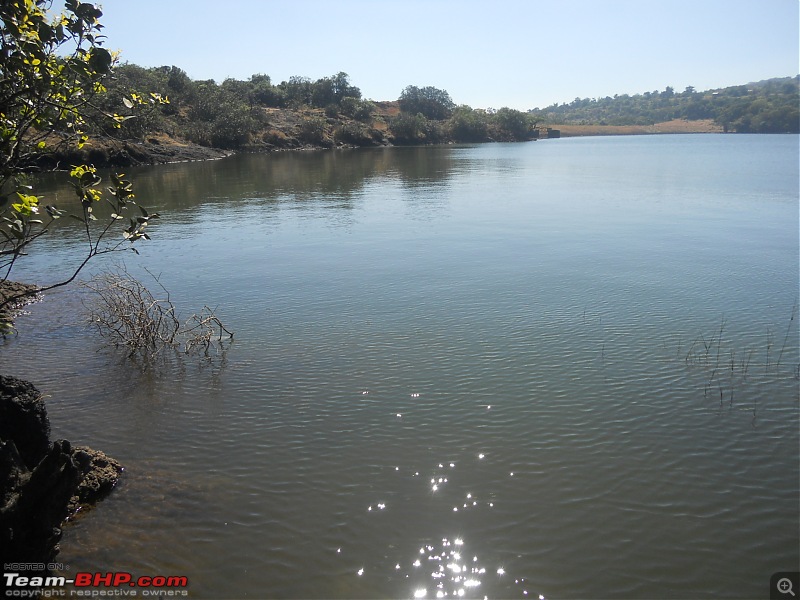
<point>674,126</point>
<point>162,149</point>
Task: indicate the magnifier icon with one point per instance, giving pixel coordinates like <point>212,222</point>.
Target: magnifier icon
<point>785,586</point>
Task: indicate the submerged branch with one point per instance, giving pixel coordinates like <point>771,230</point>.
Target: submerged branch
<point>125,313</point>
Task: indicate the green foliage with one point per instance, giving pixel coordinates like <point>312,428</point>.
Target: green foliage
<point>360,110</point>
<point>333,91</point>
<point>477,125</point>
<point>469,125</point>
<point>52,73</point>
<point>263,93</point>
<point>178,81</point>
<point>431,102</point>
<point>769,106</point>
<point>300,91</point>
<point>352,133</point>
<point>232,127</point>
<point>322,93</point>
<point>342,88</point>
<point>364,111</point>
<point>416,129</point>
<point>230,115</point>
<point>297,91</point>
<point>409,129</point>
<point>143,113</point>
<point>312,131</point>
<point>221,116</point>
<point>513,124</point>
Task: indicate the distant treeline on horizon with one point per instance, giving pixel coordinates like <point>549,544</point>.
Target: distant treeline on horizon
<point>329,111</point>
<point>768,106</point>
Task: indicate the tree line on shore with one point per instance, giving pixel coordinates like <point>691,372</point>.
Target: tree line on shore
<point>257,113</point>
<point>329,111</point>
<point>769,106</point>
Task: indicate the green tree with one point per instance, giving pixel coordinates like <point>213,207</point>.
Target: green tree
<point>409,129</point>
<point>342,88</point>
<point>221,116</point>
<point>297,91</point>
<point>468,124</point>
<point>313,131</point>
<point>322,93</point>
<point>177,80</point>
<point>431,102</point>
<point>513,123</point>
<point>263,93</point>
<point>360,110</point>
<point>45,90</point>
<point>333,90</point>
<point>51,71</point>
<point>238,91</point>
<point>127,82</point>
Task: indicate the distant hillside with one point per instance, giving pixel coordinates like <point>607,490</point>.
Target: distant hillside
<point>769,106</point>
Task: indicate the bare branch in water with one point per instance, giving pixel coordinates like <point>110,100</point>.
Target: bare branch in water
<point>125,313</point>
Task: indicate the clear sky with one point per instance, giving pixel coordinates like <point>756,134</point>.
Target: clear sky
<point>517,53</point>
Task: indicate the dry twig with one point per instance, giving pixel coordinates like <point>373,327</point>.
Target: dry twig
<point>126,313</point>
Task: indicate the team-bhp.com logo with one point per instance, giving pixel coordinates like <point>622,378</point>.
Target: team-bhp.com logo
<point>117,583</point>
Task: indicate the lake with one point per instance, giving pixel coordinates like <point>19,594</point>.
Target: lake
<point>565,368</point>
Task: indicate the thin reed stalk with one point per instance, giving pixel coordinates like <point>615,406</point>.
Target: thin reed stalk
<point>786,337</point>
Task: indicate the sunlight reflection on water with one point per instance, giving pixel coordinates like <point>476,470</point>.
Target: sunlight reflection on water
<point>445,566</point>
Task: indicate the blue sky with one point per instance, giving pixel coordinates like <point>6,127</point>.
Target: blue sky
<point>517,53</point>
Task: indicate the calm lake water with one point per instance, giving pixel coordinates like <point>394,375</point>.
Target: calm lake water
<point>566,368</point>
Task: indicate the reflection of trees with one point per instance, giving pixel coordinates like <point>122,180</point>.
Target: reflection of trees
<point>334,179</point>
<point>423,165</point>
<point>284,177</point>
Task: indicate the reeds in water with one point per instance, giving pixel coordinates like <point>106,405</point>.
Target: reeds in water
<point>728,367</point>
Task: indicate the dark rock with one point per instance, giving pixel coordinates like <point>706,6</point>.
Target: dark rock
<point>12,470</point>
<point>23,419</point>
<point>35,503</point>
<point>41,484</point>
<point>99,475</point>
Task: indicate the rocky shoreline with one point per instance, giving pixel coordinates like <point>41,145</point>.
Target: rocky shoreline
<point>14,295</point>
<point>42,483</point>
<point>122,154</point>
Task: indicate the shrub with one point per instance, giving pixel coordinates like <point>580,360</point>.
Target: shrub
<point>312,130</point>
<point>409,129</point>
<point>431,102</point>
<point>353,133</point>
<point>512,123</point>
<point>468,125</point>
